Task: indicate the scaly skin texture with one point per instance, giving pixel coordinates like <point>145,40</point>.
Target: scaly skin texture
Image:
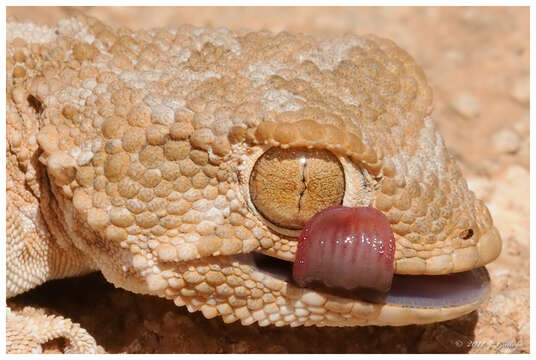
<point>22,336</point>
<point>131,153</point>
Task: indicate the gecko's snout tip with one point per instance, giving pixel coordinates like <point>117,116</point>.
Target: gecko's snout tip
<point>489,246</point>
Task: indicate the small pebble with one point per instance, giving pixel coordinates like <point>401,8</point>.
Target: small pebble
<point>506,141</point>
<point>466,105</point>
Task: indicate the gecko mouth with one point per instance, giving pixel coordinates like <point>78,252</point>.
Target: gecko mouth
<point>349,252</point>
<point>423,291</point>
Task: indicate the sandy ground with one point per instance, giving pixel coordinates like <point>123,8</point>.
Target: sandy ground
<point>477,62</point>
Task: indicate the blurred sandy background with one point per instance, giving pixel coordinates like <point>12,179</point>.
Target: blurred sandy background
<point>477,62</point>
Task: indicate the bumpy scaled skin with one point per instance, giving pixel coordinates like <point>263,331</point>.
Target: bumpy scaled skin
<point>21,336</point>
<point>140,146</point>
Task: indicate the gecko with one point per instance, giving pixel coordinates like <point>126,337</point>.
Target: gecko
<point>187,163</point>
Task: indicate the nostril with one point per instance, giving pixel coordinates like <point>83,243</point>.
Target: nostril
<point>467,234</point>
<point>35,103</point>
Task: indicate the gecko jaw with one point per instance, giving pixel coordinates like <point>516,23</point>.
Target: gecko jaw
<point>419,291</point>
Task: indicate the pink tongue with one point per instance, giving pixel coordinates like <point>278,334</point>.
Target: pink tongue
<point>346,247</point>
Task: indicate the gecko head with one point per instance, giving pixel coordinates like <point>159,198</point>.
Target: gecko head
<point>401,230</point>
<point>194,183</point>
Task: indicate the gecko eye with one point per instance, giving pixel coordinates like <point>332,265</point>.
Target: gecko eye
<point>288,186</point>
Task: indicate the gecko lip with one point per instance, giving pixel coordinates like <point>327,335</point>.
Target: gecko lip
<point>421,291</point>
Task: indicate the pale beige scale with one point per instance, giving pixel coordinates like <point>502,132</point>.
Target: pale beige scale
<point>157,156</point>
